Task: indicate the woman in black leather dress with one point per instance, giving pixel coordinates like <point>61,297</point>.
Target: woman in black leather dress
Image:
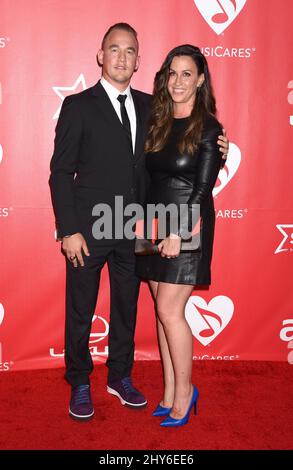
<point>183,159</point>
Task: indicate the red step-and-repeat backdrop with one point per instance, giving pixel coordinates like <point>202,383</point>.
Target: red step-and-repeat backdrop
<point>47,51</point>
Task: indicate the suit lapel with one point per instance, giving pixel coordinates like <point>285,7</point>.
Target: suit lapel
<point>138,151</point>
<point>106,106</point>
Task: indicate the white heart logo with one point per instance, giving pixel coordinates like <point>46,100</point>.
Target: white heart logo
<point>102,335</point>
<point>208,320</point>
<point>230,168</point>
<point>219,14</point>
<point>1,313</point>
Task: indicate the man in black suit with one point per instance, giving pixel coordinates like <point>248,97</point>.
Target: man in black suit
<point>98,155</point>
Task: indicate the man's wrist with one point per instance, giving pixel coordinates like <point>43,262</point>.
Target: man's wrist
<point>59,239</point>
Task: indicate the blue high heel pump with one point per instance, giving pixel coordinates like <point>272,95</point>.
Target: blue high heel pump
<point>169,421</point>
<point>161,411</point>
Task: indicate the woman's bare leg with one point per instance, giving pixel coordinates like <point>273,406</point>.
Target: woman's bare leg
<point>170,301</point>
<point>168,371</point>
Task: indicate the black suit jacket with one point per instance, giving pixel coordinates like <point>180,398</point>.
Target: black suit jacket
<point>93,161</point>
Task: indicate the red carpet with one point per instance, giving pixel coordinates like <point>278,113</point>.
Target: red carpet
<point>242,405</point>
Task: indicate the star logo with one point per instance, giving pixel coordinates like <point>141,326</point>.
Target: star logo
<point>287,242</point>
<point>63,91</point>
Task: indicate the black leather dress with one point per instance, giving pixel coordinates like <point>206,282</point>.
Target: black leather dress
<point>184,178</point>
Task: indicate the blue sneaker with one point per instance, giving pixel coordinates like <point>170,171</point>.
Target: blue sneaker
<point>127,394</point>
<point>81,406</point>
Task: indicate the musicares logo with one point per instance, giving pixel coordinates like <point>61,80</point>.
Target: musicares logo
<point>229,170</point>
<point>207,321</point>
<point>286,334</point>
<point>219,14</point>
<point>94,338</point>
<point>1,313</point>
<point>4,366</point>
<point>290,99</point>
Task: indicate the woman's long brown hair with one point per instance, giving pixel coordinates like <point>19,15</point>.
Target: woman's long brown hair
<point>161,116</point>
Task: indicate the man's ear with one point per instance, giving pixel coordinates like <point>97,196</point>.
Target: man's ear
<point>100,56</point>
<point>137,63</point>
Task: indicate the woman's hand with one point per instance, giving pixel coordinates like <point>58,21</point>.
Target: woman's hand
<point>170,246</point>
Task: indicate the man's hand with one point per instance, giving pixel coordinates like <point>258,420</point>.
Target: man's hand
<point>170,247</point>
<point>223,143</point>
<point>73,247</point>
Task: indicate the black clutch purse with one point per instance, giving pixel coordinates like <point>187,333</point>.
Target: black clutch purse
<point>145,246</point>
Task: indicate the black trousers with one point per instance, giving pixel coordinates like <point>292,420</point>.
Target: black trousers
<point>82,285</point>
